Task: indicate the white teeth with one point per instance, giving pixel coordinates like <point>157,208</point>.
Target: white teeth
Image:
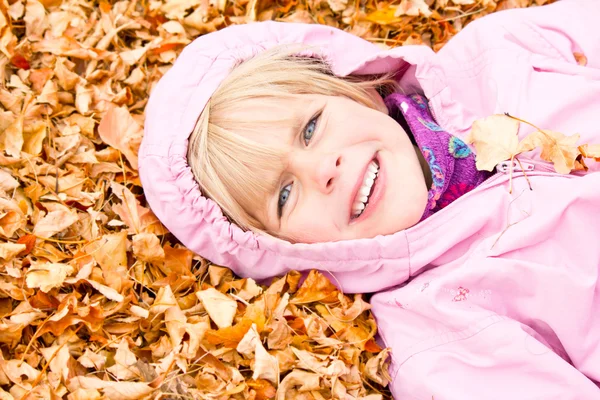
<point>358,206</point>
<point>362,197</point>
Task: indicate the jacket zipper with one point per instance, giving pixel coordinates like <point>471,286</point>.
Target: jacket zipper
<point>522,166</point>
<point>518,168</point>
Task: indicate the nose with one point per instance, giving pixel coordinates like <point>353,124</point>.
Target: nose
<point>325,170</point>
<point>317,170</point>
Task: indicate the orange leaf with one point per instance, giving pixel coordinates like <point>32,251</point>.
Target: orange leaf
<point>231,336</point>
<point>316,287</point>
<point>372,347</point>
<point>263,388</point>
<point>20,62</point>
<point>29,242</point>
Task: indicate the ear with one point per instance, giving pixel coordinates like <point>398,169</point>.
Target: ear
<point>377,100</point>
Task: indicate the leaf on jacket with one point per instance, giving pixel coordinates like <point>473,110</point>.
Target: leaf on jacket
<point>495,139</point>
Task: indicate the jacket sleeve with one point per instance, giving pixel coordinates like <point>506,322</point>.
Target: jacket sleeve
<point>500,362</point>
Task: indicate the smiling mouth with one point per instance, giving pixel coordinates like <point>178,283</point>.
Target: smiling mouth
<point>361,201</point>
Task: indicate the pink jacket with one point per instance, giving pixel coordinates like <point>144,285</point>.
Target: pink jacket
<point>495,297</point>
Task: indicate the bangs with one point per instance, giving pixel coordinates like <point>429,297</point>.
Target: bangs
<point>233,151</point>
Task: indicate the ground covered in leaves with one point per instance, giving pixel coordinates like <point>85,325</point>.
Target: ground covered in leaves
<point>97,299</point>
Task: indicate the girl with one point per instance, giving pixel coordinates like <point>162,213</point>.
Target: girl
<point>264,157</point>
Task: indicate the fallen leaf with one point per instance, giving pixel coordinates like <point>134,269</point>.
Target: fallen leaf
<point>119,130</point>
<point>47,276</point>
<point>315,288</point>
<point>220,307</point>
<point>125,361</point>
<point>376,368</point>
<point>54,222</point>
<point>9,250</point>
<point>146,246</point>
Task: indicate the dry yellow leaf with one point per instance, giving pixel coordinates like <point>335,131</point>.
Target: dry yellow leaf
<point>9,250</point>
<point>124,367</point>
<point>54,222</point>
<point>119,130</point>
<point>556,148</point>
<point>146,247</point>
<point>47,276</point>
<point>495,140</point>
<point>220,307</point>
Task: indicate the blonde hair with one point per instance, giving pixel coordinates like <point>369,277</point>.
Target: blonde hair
<point>234,170</point>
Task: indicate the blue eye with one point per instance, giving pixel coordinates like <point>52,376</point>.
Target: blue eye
<point>310,129</point>
<point>284,195</point>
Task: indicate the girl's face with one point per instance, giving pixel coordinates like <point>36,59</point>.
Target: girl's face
<point>351,171</point>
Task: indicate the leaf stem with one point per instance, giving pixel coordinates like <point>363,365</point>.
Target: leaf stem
<point>523,121</point>
<point>524,174</point>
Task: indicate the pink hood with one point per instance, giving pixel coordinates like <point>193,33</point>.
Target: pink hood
<point>198,222</point>
<point>497,296</point>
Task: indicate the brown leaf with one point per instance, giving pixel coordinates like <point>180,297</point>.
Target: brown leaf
<point>146,246</point>
<point>264,389</point>
<point>376,368</point>
<point>229,337</point>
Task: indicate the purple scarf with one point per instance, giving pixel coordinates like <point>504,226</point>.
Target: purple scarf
<point>451,161</point>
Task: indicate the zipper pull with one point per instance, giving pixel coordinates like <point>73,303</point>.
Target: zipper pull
<point>506,166</point>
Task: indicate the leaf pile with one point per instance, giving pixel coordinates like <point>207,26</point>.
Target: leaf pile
<point>97,299</point>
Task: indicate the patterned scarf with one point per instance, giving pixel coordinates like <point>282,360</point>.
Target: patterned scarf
<point>451,161</point>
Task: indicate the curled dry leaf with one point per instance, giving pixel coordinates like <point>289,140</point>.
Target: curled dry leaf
<point>146,246</point>
<point>376,368</point>
<point>125,361</point>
